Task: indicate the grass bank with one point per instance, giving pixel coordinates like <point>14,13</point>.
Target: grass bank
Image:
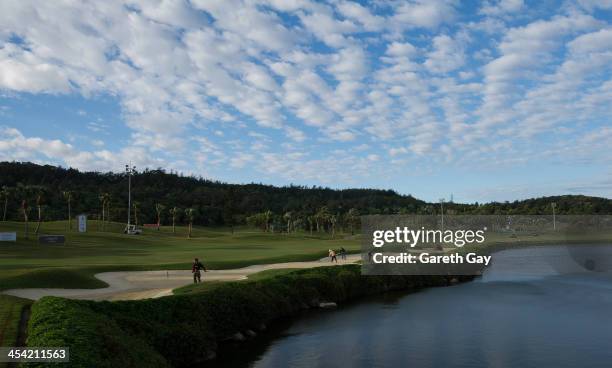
<point>186,329</point>
<point>11,309</point>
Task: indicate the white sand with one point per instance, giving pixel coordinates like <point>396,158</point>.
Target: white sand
<point>132,285</point>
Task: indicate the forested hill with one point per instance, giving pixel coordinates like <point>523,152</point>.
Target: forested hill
<point>216,203</point>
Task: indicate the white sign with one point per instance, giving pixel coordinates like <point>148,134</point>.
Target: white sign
<point>8,236</point>
<point>82,221</point>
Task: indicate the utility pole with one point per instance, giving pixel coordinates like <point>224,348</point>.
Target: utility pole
<point>553,205</point>
<point>129,171</point>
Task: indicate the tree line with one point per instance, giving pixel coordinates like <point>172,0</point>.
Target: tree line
<point>165,197</point>
<point>159,197</point>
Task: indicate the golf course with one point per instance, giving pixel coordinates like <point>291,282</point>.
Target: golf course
<point>27,264</point>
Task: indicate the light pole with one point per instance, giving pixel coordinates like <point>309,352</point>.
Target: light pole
<point>442,212</point>
<point>129,171</point>
<point>553,205</point>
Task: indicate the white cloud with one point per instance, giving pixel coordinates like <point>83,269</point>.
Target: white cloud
<point>592,42</point>
<point>23,71</point>
<point>237,83</point>
<point>241,159</point>
<point>362,15</point>
<point>295,134</point>
<point>502,7</point>
<point>401,49</point>
<point>427,14</point>
<point>447,55</point>
<point>16,146</point>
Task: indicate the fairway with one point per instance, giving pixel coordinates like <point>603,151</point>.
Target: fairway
<point>26,264</point>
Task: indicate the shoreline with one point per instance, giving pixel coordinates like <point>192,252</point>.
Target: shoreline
<point>231,312</point>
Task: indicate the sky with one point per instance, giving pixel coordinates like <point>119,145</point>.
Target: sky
<point>492,100</point>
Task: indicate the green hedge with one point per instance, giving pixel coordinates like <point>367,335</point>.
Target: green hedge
<point>185,329</point>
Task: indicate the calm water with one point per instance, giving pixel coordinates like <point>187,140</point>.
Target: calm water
<point>543,314</point>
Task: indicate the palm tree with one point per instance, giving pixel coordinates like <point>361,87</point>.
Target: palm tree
<point>267,217</point>
<point>23,192</point>
<point>159,208</point>
<point>5,193</point>
<point>332,220</point>
<point>68,196</point>
<point>288,216</point>
<point>189,214</point>
<point>108,212</point>
<point>25,210</point>
<point>105,199</point>
<point>311,223</point>
<point>174,211</point>
<point>101,197</point>
<point>39,205</point>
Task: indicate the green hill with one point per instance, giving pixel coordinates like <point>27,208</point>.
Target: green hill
<point>221,204</point>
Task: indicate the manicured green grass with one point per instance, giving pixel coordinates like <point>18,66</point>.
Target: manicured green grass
<point>26,263</point>
<point>206,286</point>
<point>10,313</point>
<point>270,273</point>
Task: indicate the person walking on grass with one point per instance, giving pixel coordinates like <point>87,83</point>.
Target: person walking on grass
<point>332,256</point>
<point>195,269</point>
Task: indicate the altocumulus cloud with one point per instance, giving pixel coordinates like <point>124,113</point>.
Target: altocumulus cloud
<point>294,90</point>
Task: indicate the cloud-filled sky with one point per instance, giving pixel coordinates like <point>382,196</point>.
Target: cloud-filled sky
<point>496,100</point>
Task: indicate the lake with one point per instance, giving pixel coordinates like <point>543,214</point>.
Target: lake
<point>535,307</point>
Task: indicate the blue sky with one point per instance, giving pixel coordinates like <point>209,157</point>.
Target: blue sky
<point>492,100</point>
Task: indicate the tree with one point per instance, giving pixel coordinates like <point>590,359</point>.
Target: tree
<point>40,196</point>
<point>311,223</point>
<point>25,210</point>
<point>261,220</point>
<point>189,214</point>
<point>298,223</point>
<point>322,218</point>
<point>24,192</point>
<point>267,219</point>
<point>159,208</point>
<point>68,196</point>
<point>352,217</point>
<point>332,220</point>
<point>288,216</point>
<point>174,211</point>
<point>5,193</point>
<point>108,212</point>
<point>256,220</point>
<point>105,199</point>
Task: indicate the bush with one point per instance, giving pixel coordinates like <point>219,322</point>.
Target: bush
<point>93,338</point>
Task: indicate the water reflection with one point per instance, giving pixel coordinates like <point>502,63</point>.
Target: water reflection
<point>544,316</point>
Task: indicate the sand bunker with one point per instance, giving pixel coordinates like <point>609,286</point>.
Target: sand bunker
<point>133,285</point>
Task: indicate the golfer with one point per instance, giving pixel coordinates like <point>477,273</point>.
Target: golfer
<point>195,269</point>
<point>332,255</point>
